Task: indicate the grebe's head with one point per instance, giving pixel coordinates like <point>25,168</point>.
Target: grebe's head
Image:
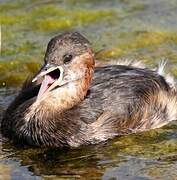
<point>68,58</point>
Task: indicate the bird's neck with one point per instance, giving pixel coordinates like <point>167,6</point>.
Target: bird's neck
<point>63,98</point>
<point>68,96</point>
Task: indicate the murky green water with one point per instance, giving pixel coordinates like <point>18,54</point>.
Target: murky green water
<point>145,30</point>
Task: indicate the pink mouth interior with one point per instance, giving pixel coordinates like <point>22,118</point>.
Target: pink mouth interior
<point>49,79</point>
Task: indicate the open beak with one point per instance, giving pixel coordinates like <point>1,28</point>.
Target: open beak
<point>53,76</point>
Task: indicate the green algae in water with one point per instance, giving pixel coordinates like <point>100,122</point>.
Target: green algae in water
<point>148,46</point>
<point>63,19</point>
<point>25,21</point>
<point>147,39</point>
<point>13,73</point>
<point>25,47</point>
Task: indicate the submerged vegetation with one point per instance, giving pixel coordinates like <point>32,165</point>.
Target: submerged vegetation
<point>27,27</point>
<point>22,23</point>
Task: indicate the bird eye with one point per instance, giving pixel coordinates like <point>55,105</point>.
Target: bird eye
<point>67,58</point>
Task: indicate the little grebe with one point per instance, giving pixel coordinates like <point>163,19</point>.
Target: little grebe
<point>66,109</point>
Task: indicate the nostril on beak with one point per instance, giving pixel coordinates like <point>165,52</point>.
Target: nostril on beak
<point>46,66</point>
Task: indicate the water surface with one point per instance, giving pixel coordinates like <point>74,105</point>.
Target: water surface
<point>118,29</point>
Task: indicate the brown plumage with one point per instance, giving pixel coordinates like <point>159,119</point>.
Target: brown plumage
<point>65,110</point>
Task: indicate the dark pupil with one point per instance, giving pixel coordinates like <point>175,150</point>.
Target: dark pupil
<point>67,58</point>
